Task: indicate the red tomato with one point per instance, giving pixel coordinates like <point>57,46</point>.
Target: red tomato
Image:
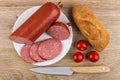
<point>82,45</point>
<point>93,56</point>
<point>78,57</point>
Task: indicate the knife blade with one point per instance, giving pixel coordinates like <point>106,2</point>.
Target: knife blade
<point>71,70</point>
<point>53,70</point>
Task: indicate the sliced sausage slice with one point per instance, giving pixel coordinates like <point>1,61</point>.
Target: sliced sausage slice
<point>59,31</point>
<point>34,53</point>
<point>50,48</point>
<point>25,54</point>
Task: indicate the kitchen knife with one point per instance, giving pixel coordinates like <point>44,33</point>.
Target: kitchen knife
<point>70,70</point>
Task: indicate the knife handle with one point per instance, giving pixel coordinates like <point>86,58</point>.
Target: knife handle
<point>90,69</point>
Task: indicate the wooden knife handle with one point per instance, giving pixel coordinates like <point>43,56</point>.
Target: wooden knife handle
<point>90,69</point>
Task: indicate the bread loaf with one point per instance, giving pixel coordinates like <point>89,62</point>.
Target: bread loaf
<point>90,27</point>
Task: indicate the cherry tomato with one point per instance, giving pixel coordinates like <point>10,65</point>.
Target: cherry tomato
<point>78,57</point>
<point>93,56</point>
<point>82,45</point>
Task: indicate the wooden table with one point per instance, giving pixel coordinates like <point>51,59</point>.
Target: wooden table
<point>12,67</point>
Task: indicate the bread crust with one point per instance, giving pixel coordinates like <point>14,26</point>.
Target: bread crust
<point>90,27</point>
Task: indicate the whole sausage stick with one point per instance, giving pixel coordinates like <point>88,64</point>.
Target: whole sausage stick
<point>38,23</point>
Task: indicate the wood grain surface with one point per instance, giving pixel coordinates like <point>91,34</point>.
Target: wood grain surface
<point>12,67</point>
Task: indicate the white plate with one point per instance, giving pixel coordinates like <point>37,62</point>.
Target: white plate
<point>66,43</point>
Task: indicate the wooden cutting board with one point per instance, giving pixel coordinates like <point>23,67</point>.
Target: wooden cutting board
<point>12,67</point>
